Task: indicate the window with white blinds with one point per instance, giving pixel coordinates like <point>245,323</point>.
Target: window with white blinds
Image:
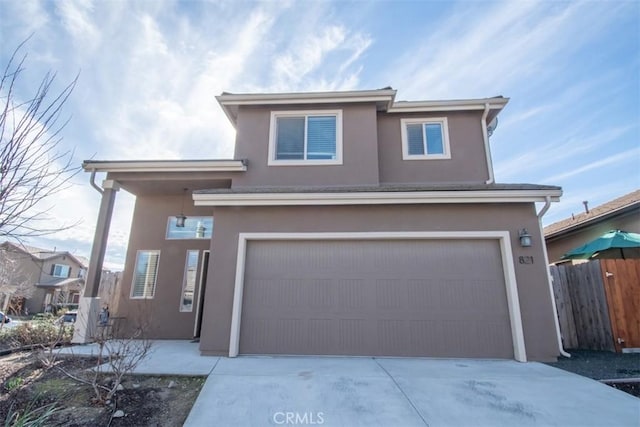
<point>145,274</point>
<point>305,137</point>
<point>425,139</point>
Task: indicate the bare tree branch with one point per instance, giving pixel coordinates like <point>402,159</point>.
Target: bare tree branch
<point>33,167</point>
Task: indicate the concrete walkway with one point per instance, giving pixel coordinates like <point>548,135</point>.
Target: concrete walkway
<point>350,391</point>
<point>165,357</point>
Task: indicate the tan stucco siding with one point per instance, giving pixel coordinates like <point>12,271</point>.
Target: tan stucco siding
<point>161,313</point>
<point>534,296</point>
<point>359,158</point>
<point>468,158</point>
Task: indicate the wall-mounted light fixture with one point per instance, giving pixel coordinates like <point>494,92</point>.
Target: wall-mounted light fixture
<point>525,238</point>
<point>180,219</point>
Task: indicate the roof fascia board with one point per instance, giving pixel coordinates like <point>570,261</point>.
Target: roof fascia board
<point>166,166</point>
<point>306,98</point>
<point>455,105</point>
<point>375,198</point>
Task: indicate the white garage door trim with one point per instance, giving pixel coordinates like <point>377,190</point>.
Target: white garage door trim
<point>508,267</point>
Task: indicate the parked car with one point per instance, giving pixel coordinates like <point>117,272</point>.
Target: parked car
<point>4,318</point>
<point>69,318</point>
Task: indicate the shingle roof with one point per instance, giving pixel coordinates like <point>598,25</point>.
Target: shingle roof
<point>45,254</point>
<point>376,188</point>
<point>628,201</point>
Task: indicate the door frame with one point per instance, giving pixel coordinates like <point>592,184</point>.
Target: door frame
<point>503,237</point>
<point>202,286</point>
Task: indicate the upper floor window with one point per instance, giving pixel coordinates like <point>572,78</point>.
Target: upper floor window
<point>425,139</point>
<point>305,137</point>
<point>195,227</point>
<point>60,270</point>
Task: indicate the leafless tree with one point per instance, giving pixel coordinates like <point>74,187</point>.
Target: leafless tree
<point>33,165</point>
<point>119,352</point>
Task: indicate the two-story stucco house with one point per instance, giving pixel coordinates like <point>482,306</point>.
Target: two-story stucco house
<point>39,279</point>
<point>346,224</point>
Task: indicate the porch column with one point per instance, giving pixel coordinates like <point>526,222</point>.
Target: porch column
<point>89,306</point>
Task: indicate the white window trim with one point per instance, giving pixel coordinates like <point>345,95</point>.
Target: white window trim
<point>442,121</point>
<point>68,271</point>
<point>297,113</point>
<point>503,237</point>
<point>135,267</point>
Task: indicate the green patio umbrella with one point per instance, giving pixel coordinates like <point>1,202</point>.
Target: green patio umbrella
<point>613,244</point>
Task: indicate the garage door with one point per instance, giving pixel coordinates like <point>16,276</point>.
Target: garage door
<point>437,298</point>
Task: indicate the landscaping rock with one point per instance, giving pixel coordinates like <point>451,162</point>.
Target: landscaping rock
<point>118,414</point>
<point>172,384</point>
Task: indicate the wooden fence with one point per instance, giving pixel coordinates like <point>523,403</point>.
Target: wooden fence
<point>598,304</point>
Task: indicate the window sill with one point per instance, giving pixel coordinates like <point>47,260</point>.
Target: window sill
<point>304,162</point>
<point>427,157</point>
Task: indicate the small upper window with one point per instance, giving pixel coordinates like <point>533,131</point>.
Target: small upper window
<point>425,139</point>
<point>60,270</point>
<point>305,137</point>
<point>195,227</point>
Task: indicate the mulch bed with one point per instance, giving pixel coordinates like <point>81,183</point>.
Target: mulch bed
<point>145,400</point>
<point>605,365</point>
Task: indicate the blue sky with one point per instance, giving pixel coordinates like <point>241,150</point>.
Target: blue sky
<point>149,71</point>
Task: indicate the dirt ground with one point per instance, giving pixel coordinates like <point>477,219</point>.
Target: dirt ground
<point>145,400</point>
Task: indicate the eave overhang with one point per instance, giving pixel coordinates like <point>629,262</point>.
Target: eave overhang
<point>374,198</point>
<point>383,98</point>
<point>632,208</point>
<point>230,102</point>
<point>145,166</point>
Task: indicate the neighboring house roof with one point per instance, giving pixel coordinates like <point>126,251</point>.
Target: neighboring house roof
<point>622,205</point>
<point>44,254</point>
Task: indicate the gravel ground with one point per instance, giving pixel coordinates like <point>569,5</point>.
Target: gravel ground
<point>600,365</point>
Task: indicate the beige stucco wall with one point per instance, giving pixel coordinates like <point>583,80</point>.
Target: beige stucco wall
<point>556,247</point>
<point>359,141</point>
<point>468,159</point>
<point>535,300</point>
<point>160,315</point>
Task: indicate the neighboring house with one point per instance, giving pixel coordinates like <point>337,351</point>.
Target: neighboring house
<point>622,213</point>
<point>39,279</point>
<point>347,224</point>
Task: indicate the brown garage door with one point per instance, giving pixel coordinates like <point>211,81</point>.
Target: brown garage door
<point>438,298</point>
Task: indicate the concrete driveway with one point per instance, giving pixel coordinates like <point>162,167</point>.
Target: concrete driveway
<point>337,391</point>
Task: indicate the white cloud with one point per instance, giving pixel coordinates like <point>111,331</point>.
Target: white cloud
<point>76,18</point>
<point>632,155</point>
<point>486,48</point>
<point>557,151</point>
<point>150,71</point>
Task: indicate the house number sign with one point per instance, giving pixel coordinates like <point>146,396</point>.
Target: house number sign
<point>525,260</point>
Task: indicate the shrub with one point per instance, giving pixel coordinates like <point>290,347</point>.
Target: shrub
<point>32,416</point>
<point>43,330</point>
